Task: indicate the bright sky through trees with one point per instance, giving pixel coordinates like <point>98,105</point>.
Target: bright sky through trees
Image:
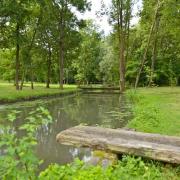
<point>103,21</point>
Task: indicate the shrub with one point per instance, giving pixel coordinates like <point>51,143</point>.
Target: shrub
<point>19,160</point>
<point>128,168</point>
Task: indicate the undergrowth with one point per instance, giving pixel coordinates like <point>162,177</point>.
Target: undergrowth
<point>126,169</point>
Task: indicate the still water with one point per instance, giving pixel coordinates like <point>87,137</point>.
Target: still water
<point>107,110</point>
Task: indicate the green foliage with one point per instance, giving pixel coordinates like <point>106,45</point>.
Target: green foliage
<point>133,96</point>
<point>19,160</point>
<point>127,168</point>
<point>109,65</point>
<point>6,67</point>
<point>149,117</point>
<point>89,56</point>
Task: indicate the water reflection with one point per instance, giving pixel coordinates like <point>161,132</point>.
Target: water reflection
<point>102,109</point>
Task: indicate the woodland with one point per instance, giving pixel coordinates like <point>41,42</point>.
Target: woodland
<point>128,77</point>
<point>45,41</point>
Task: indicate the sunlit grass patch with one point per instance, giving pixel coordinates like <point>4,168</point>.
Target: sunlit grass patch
<point>156,110</point>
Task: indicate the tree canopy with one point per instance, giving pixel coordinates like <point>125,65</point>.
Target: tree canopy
<point>45,41</point>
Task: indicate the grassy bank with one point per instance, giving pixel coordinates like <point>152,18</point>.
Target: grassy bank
<point>156,110</point>
<point>9,94</point>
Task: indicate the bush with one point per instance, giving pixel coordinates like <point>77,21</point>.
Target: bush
<point>126,169</point>
<point>19,160</point>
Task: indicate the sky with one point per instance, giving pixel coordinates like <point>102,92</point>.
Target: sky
<point>103,22</point>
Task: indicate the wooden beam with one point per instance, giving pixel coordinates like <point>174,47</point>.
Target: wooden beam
<point>154,146</point>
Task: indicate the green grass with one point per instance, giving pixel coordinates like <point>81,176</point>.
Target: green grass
<point>156,110</point>
<point>9,94</point>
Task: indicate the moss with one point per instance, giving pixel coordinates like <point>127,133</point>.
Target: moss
<point>103,159</point>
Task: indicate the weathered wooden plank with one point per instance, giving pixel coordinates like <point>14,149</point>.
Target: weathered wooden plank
<point>154,146</point>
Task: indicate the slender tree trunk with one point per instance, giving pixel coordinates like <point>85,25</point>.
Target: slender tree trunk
<point>127,28</point>
<point>49,68</point>
<point>61,50</point>
<point>127,42</point>
<point>124,14</point>
<point>146,50</point>
<point>32,77</point>
<point>67,81</point>
<point>17,57</point>
<point>32,82</point>
<point>61,65</point>
<point>154,53</point>
<point>122,64</point>
<point>22,79</point>
<point>122,49</point>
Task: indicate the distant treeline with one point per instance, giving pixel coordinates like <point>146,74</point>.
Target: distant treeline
<point>44,41</point>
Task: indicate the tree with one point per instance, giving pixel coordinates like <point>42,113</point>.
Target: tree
<point>121,14</point>
<point>148,42</point>
<point>154,53</point>
<point>160,65</point>
<point>15,16</point>
<point>109,65</point>
<point>87,62</point>
<point>66,22</point>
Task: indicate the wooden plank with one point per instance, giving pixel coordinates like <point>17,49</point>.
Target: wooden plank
<point>154,146</point>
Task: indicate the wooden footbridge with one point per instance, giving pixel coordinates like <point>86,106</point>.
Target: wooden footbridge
<point>120,141</point>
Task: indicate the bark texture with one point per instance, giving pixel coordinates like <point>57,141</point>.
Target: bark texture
<point>48,68</point>
<point>154,146</point>
<point>17,57</point>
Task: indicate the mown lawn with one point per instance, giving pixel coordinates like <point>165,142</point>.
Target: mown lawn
<point>9,94</point>
<point>156,110</point>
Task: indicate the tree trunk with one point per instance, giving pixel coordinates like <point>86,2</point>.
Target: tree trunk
<point>67,78</point>
<point>49,68</point>
<point>32,82</point>
<point>153,59</point>
<point>61,65</point>
<point>17,58</point>
<point>122,64</point>
<point>122,49</point>
<point>32,77</point>
<point>22,79</point>
<point>127,28</point>
<point>154,53</point>
<point>146,50</point>
<point>61,52</point>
